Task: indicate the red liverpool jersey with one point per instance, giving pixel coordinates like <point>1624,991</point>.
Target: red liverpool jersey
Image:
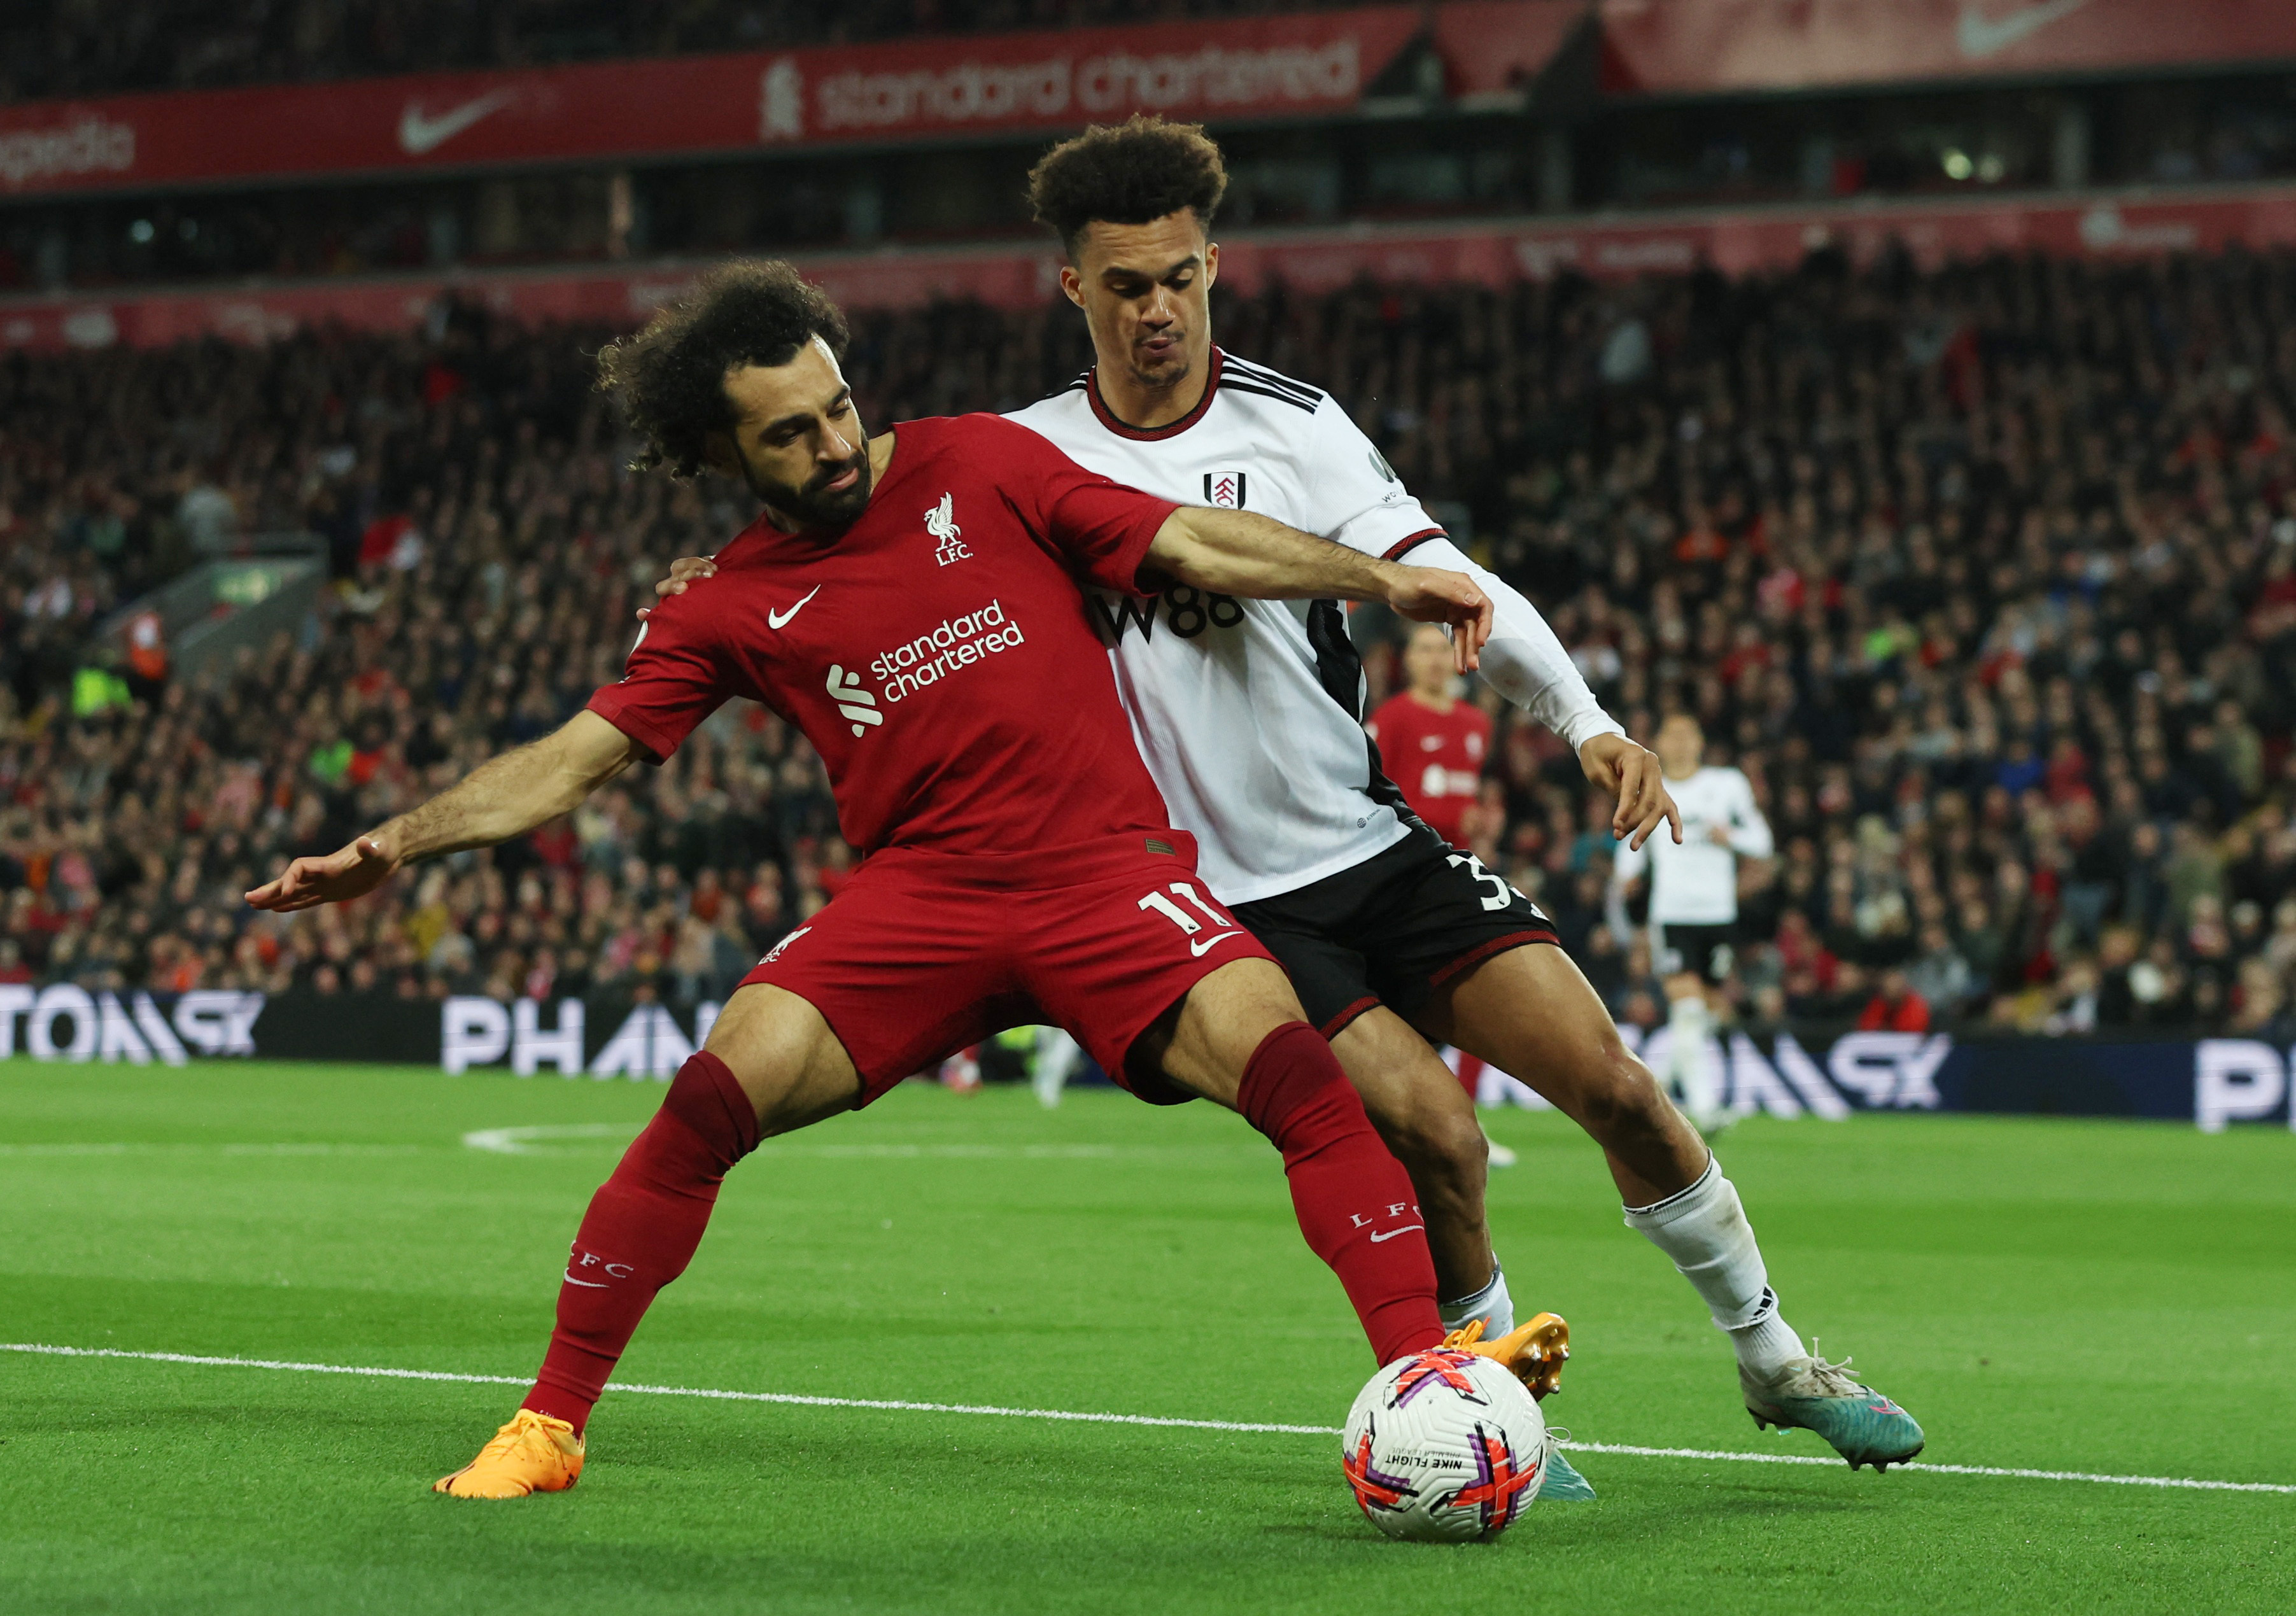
<point>1436,757</point>
<point>937,654</point>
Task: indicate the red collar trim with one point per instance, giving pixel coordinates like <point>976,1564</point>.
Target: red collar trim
<point>1171,429</point>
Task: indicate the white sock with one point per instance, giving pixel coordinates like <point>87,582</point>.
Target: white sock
<point>1686,1067</point>
<point>1491,1304</point>
<point>1058,1056</point>
<point>1704,1231</point>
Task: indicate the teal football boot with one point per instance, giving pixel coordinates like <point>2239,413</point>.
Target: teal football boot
<point>1865,1427</point>
<point>1560,1484</point>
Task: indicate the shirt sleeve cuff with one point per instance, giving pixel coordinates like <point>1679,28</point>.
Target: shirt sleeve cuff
<point>1402,547</point>
<point>610,706</point>
<point>1586,726</point>
<point>1121,570</point>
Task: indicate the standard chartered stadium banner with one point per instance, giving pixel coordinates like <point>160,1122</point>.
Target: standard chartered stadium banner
<point>1807,1069</point>
<point>1307,64</point>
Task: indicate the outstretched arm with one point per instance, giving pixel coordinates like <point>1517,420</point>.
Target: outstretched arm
<point>1527,664</point>
<point>495,801</point>
<point>1236,553</point>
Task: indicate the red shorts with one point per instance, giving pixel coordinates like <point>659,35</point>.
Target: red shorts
<point>921,954</point>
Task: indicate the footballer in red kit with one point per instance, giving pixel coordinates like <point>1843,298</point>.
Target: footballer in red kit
<point>1433,744</point>
<point>911,602</point>
<point>938,654</point>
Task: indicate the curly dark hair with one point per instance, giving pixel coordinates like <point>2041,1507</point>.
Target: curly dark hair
<point>670,377</point>
<point>1128,173</point>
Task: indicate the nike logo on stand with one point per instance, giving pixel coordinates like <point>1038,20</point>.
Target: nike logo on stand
<point>1980,35</point>
<point>780,620</point>
<point>1211,943</point>
<point>1391,1233</point>
<point>419,133</point>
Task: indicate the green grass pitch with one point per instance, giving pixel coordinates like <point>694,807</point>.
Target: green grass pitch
<point>2079,1296</point>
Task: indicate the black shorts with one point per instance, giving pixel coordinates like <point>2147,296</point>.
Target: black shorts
<point>1704,951</point>
<point>1392,929</point>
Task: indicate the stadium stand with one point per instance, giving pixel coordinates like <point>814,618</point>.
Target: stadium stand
<point>1986,578</point>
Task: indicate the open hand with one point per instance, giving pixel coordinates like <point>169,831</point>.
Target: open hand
<point>1632,772</point>
<point>683,568</point>
<point>338,878</point>
<point>1428,595</point>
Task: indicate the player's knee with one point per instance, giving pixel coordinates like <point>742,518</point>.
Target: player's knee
<point>1619,1097</point>
<point>1292,1083</point>
<point>1439,1143</point>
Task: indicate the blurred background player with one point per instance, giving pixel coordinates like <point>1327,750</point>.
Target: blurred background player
<point>1693,889</point>
<point>1055,1056</point>
<point>1433,743</point>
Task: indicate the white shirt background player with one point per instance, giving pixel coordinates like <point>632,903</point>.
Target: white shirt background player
<point>1694,883</point>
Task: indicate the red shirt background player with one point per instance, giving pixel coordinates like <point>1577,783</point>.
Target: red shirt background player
<point>1431,743</point>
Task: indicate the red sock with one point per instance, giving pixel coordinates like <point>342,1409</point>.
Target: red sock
<point>641,1231</point>
<point>1355,1202</point>
<point>1471,1074</point>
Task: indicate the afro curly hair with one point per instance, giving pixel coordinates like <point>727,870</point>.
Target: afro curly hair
<point>670,377</point>
<point>1128,173</point>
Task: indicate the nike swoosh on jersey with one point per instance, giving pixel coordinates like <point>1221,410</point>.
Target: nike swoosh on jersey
<point>1211,943</point>
<point>1980,35</point>
<point>780,620</point>
<point>419,133</point>
<point>1391,1233</point>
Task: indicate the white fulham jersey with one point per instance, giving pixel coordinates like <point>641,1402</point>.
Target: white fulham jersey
<point>1696,885</point>
<point>1249,713</point>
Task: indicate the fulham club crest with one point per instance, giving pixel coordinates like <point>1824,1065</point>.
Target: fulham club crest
<point>1224,490</point>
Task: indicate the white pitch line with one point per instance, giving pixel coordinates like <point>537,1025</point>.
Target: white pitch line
<point>1622,1449</point>
<point>373,1372</point>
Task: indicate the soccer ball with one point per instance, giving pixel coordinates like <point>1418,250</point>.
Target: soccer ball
<point>1443,1448</point>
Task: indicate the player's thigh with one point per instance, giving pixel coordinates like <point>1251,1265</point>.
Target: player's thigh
<point>1328,971</point>
<point>1168,991</point>
<point>1438,913</point>
<point>896,971</point>
<point>1210,1035</point>
<point>782,1052</point>
<point>1414,1099</point>
<point>1532,1013</point>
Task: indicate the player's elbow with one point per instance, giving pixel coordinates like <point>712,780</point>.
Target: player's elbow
<point>1181,554</point>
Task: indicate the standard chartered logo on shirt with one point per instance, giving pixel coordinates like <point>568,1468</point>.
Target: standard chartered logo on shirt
<point>958,642</point>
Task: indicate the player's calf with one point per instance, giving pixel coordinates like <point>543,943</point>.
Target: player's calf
<point>1354,1204</point>
<point>772,1065</point>
<point>1430,1125</point>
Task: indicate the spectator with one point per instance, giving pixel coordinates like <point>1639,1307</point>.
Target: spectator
<point>1938,976</point>
<point>1876,579</point>
<point>1895,1006</point>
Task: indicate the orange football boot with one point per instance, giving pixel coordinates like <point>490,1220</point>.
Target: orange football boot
<point>1533,1353</point>
<point>533,1453</point>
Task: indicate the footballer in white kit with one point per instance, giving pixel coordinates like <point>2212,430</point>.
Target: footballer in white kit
<point>1694,905</point>
<point>1249,716</point>
<point>1693,887</point>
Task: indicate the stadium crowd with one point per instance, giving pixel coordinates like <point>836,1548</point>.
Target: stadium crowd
<point>1986,578</point>
<point>78,47</point>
